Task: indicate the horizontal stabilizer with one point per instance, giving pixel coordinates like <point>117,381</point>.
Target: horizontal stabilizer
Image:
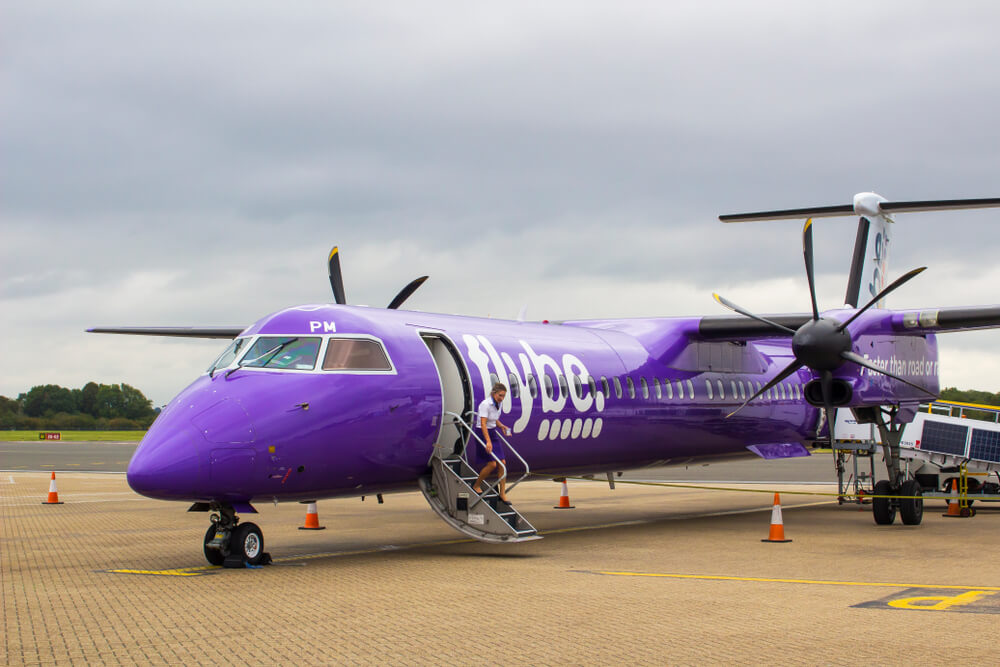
<point>863,207</point>
<point>177,332</point>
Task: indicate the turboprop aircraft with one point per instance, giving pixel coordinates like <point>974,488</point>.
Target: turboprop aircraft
<point>331,400</point>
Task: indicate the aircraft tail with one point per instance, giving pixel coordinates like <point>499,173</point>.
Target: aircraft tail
<point>870,262</point>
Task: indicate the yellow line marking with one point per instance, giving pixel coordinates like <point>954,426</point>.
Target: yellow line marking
<point>703,487</point>
<point>819,582</point>
<point>185,572</point>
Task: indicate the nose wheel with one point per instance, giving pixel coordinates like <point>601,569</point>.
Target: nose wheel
<point>232,544</point>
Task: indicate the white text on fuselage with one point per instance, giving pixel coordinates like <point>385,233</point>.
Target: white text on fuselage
<point>488,360</point>
<point>910,367</point>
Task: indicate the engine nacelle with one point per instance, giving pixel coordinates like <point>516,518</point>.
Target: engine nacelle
<point>841,390</point>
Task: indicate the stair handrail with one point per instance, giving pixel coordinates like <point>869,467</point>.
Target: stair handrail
<point>510,447</point>
<point>463,456</point>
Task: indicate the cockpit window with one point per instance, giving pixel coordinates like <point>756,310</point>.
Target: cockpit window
<point>287,352</point>
<point>355,355</point>
<point>229,355</point>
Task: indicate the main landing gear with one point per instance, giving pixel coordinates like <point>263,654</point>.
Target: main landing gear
<point>909,504</point>
<point>230,543</point>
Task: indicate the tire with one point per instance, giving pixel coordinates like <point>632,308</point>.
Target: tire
<point>247,542</point>
<point>213,556</point>
<point>911,511</point>
<point>882,508</point>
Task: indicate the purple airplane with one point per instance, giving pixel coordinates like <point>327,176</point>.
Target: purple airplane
<point>320,401</point>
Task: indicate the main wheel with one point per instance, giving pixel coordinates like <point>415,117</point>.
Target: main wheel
<point>911,510</point>
<point>247,541</point>
<point>213,556</point>
<point>882,508</point>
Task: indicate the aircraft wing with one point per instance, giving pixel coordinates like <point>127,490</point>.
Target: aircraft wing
<point>736,327</point>
<point>899,322</point>
<point>939,320</point>
<point>177,332</point>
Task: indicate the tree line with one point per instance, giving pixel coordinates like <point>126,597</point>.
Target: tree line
<point>100,407</point>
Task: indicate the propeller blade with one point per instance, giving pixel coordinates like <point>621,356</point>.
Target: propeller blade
<point>861,361</point>
<point>336,279</point>
<point>405,293</point>
<point>789,369</point>
<point>878,297</point>
<point>807,251</point>
<point>826,385</point>
<point>742,311</point>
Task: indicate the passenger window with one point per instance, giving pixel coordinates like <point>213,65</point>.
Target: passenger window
<point>758,387</point>
<point>798,392</point>
<point>645,387</point>
<point>708,389</point>
<point>743,393</point>
<point>578,385</point>
<point>670,389</point>
<point>618,387</point>
<point>548,385</point>
<point>656,388</point>
<point>690,388</point>
<point>722,391</point>
<point>563,389</point>
<point>631,386</point>
<point>593,385</point>
<point>494,378</point>
<point>515,387</point>
<point>532,386</point>
<point>781,388</point>
<point>736,394</point>
<point>605,387</point>
<point>680,389</point>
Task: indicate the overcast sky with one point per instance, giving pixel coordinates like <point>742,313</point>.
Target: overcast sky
<point>192,163</point>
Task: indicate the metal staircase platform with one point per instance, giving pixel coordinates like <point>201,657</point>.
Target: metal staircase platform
<point>484,517</point>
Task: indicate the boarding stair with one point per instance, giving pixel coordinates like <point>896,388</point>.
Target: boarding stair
<point>448,489</point>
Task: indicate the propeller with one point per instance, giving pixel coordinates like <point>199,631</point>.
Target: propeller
<point>337,283</point>
<point>822,344</point>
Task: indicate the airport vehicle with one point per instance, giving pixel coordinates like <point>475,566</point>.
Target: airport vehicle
<point>324,400</point>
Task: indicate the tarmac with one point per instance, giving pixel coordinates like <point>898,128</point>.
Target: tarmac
<point>640,574</point>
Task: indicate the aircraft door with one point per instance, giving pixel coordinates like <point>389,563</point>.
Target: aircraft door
<point>456,393</point>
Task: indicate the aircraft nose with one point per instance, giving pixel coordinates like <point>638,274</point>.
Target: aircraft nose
<point>167,464</point>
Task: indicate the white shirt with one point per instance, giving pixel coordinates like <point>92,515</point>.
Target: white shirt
<point>490,411</point>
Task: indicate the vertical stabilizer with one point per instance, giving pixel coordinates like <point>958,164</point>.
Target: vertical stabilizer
<point>870,262</point>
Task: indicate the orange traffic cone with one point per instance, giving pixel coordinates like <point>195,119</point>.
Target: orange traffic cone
<point>564,498</point>
<point>312,519</point>
<point>777,532</point>
<point>955,510</point>
<point>53,492</point>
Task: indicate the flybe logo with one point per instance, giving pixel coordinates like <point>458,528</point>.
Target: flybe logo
<point>539,365</point>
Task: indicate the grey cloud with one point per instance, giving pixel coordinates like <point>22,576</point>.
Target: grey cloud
<point>192,163</point>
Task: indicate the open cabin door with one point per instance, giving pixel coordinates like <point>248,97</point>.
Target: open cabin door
<point>456,393</point>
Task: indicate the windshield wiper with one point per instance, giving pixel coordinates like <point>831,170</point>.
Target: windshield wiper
<point>273,351</point>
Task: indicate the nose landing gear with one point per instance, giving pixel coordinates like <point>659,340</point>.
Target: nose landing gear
<point>232,544</point>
